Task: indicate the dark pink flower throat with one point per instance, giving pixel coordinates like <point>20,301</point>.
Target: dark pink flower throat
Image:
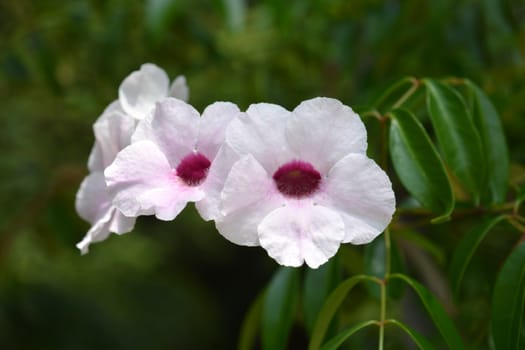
<point>193,169</point>
<point>297,179</point>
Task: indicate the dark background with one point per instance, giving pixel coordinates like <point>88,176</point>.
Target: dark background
<point>180,285</point>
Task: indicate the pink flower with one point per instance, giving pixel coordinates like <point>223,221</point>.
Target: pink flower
<point>113,130</point>
<point>166,165</point>
<point>300,182</point>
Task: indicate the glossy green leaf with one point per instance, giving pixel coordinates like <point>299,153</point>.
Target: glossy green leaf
<point>417,338</point>
<point>339,339</point>
<point>330,308</point>
<point>438,315</point>
<point>465,250</point>
<point>488,124</point>
<point>457,135</point>
<point>508,301</point>
<point>251,325</point>
<point>279,308</point>
<point>318,285</point>
<point>375,265</point>
<point>418,164</point>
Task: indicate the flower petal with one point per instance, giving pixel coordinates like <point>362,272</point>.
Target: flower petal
<point>362,193</point>
<point>98,232</point>
<point>141,89</point>
<point>143,183</point>
<point>173,127</point>
<point>240,227</point>
<point>247,197</point>
<point>220,167</point>
<point>96,158</point>
<point>323,130</point>
<point>306,233</point>
<point>247,183</point>
<point>213,123</point>
<point>111,221</point>
<point>260,132</point>
<point>92,199</point>
<point>179,89</point>
<point>113,131</point>
<point>120,223</point>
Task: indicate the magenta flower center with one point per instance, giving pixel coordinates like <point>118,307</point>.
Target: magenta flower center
<point>193,169</point>
<point>297,179</point>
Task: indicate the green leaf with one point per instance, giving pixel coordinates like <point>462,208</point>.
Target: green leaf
<point>457,135</point>
<point>418,164</point>
<point>251,324</point>
<point>279,308</point>
<point>417,338</point>
<point>375,265</point>
<point>339,339</point>
<point>330,308</point>
<point>508,301</point>
<point>318,284</point>
<point>465,250</point>
<point>438,315</point>
<point>488,123</point>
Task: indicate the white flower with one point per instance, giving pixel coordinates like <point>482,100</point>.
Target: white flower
<point>166,165</point>
<point>300,182</point>
<point>113,130</point>
<point>140,90</point>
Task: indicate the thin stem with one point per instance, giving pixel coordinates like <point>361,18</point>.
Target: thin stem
<point>391,89</point>
<point>382,316</point>
<point>459,213</point>
<point>516,224</point>
<point>406,95</point>
<point>382,312</point>
<point>387,252</point>
<point>372,113</point>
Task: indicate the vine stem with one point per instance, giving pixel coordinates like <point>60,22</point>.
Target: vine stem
<point>382,312</point>
<point>382,316</point>
<point>408,93</point>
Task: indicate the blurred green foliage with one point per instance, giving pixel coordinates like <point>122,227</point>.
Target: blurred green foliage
<point>180,285</point>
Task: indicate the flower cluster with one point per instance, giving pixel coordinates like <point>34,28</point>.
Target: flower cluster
<point>296,183</point>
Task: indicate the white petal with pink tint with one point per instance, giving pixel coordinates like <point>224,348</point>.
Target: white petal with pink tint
<point>141,89</point>
<point>179,89</point>
<point>92,200</point>
<point>247,197</point>
<point>358,188</point>
<point>173,126</point>
<point>94,205</point>
<point>323,130</point>
<point>144,183</point>
<point>212,127</point>
<point>112,221</point>
<point>240,227</point>
<point>293,235</point>
<point>260,132</point>
<point>113,132</point>
<point>247,183</point>
<point>96,158</point>
<point>99,231</point>
<point>208,207</point>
